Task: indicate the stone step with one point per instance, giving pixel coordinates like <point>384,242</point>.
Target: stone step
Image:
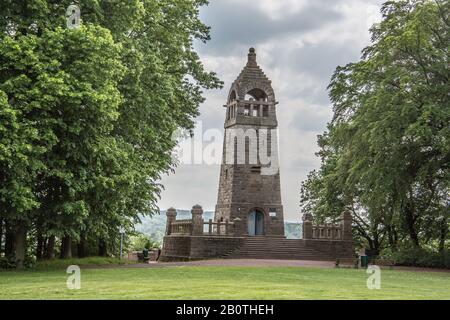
<point>276,248</point>
<point>281,256</point>
<point>279,253</point>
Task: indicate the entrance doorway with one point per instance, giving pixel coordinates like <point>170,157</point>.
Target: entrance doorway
<point>255,223</point>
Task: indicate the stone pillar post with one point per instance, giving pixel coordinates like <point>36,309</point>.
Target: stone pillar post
<point>171,217</point>
<point>307,226</point>
<point>197,220</point>
<point>238,232</point>
<point>346,225</point>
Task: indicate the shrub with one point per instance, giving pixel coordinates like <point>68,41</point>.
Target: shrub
<point>141,242</point>
<point>419,257</point>
<point>56,264</point>
<point>9,263</point>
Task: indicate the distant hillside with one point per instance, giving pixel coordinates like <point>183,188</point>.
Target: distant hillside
<point>155,226</point>
<point>293,230</point>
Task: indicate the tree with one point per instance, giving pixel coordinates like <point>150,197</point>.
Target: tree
<point>386,150</point>
<point>88,114</point>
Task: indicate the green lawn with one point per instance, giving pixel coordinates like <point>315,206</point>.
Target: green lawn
<point>224,283</point>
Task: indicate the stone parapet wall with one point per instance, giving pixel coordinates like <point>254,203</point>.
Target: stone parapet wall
<point>340,232</point>
<point>333,248</point>
<point>195,239</point>
<point>178,248</point>
<point>184,248</point>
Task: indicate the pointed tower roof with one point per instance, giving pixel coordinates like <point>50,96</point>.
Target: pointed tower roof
<point>252,77</point>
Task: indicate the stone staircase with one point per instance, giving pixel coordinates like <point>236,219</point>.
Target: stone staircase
<point>276,248</point>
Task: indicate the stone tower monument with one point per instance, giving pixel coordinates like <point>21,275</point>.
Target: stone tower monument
<point>249,186</point>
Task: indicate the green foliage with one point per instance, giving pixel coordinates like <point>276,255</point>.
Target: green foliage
<point>386,153</point>
<point>419,257</point>
<point>8,262</point>
<point>87,114</point>
<point>141,241</point>
<point>62,264</point>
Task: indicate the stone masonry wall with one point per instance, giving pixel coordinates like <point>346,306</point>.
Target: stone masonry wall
<point>334,249</point>
<point>175,248</point>
<point>178,248</point>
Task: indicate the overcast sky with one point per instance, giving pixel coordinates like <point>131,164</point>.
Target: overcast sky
<point>299,43</point>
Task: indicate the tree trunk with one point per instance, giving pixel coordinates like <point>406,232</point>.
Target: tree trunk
<point>39,246</point>
<point>414,238</point>
<point>9,240</point>
<point>39,239</point>
<point>443,234</point>
<point>376,247</point>
<point>50,251</point>
<point>410,226</point>
<point>66,247</point>
<point>1,236</point>
<point>81,247</point>
<point>392,237</point>
<point>102,248</point>
<point>20,246</point>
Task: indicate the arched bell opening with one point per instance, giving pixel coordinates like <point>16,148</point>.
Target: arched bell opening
<point>256,94</point>
<point>256,103</point>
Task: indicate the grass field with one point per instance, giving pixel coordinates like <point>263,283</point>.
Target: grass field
<point>224,283</point>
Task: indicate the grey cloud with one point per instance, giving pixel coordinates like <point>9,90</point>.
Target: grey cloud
<point>311,119</point>
<point>316,62</point>
<point>321,59</point>
<point>305,163</point>
<point>245,24</point>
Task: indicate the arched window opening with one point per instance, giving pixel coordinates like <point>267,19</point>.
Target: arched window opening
<point>257,95</point>
<point>233,96</point>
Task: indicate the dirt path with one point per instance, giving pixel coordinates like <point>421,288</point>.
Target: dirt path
<point>254,263</point>
<point>224,263</point>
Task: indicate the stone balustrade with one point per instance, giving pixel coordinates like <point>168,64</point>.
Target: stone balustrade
<point>342,231</point>
<point>198,227</point>
<point>220,228</point>
<point>181,227</point>
<point>327,231</point>
<point>196,238</point>
<point>249,108</point>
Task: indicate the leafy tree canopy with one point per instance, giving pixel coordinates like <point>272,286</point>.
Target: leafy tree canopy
<point>386,153</point>
<point>87,114</point>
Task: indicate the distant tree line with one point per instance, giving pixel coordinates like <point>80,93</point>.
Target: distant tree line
<point>87,115</point>
<point>386,153</point>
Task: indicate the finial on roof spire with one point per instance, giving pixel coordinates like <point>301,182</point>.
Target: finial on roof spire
<point>251,57</point>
